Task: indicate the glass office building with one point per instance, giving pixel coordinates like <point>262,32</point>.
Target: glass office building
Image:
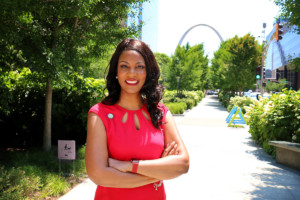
<point>148,14</point>
<point>279,53</point>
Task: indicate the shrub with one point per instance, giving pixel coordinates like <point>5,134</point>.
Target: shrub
<point>22,107</point>
<point>36,175</point>
<point>190,98</point>
<point>176,108</point>
<point>224,98</point>
<point>190,103</point>
<point>276,118</point>
<point>54,186</point>
<point>238,101</point>
<point>15,184</point>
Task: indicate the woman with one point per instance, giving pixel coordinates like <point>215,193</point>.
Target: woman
<point>132,140</point>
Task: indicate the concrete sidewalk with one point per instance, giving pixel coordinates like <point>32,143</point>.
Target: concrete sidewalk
<point>224,163</point>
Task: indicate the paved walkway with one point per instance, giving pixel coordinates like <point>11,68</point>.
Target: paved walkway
<point>224,163</point>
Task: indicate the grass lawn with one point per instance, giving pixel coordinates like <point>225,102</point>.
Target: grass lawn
<point>34,174</point>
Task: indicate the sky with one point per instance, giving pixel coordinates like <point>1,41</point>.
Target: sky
<point>228,17</point>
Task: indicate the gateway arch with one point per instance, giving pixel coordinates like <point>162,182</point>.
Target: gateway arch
<point>182,38</point>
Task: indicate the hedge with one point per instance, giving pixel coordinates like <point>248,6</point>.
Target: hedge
<point>277,118</point>
<point>238,101</point>
<point>22,100</point>
<point>186,100</point>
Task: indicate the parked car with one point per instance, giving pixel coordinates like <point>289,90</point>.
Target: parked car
<point>211,92</point>
<point>254,95</point>
<point>267,95</point>
<point>247,94</point>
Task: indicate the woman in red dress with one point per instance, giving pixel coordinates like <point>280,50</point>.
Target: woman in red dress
<point>132,140</point>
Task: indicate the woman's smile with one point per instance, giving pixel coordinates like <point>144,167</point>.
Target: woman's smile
<point>131,82</point>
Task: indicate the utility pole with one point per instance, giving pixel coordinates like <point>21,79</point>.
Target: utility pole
<point>262,61</point>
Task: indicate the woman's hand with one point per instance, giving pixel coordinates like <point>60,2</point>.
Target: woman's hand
<point>126,166</point>
<point>171,149</point>
<point>123,166</point>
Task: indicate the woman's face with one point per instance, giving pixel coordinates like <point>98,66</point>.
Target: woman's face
<point>131,72</point>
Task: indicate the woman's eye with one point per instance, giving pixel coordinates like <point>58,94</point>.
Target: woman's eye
<point>123,66</point>
<point>140,67</point>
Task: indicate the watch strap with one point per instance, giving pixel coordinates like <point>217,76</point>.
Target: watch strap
<point>135,164</point>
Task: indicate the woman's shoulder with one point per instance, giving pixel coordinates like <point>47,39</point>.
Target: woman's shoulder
<point>100,108</point>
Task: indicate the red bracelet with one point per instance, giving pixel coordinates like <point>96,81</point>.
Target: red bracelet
<point>135,164</point>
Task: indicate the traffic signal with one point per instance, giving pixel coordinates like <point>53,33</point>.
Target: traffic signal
<point>264,73</point>
<point>257,73</point>
<point>278,31</point>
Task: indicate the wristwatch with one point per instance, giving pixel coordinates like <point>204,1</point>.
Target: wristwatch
<point>135,164</point>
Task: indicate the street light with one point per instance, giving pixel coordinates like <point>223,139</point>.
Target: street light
<point>262,61</point>
<point>177,77</point>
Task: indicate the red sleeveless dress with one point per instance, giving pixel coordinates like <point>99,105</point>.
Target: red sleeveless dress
<point>125,142</point>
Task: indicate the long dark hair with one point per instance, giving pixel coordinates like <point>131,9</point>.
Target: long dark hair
<point>151,90</point>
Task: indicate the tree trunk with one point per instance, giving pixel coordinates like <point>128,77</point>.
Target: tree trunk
<point>47,117</point>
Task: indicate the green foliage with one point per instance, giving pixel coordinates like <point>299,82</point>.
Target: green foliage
<point>188,98</point>
<point>224,98</point>
<point>15,184</point>
<point>240,102</point>
<point>55,185</point>
<point>56,37</point>
<point>59,38</point>
<point>295,63</point>
<point>276,118</point>
<point>276,87</point>
<point>191,65</point>
<point>163,62</point>
<point>70,107</point>
<point>35,175</point>
<point>21,107</point>
<point>235,62</point>
<point>290,10</point>
<point>176,108</point>
<point>98,65</point>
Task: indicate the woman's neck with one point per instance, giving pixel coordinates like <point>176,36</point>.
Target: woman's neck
<point>130,102</point>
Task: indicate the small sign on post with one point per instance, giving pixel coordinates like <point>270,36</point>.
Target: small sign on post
<point>66,151</point>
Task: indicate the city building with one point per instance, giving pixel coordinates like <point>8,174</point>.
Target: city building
<point>147,16</point>
<point>279,54</point>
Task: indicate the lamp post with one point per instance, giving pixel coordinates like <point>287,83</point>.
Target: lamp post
<point>262,61</point>
<point>177,77</point>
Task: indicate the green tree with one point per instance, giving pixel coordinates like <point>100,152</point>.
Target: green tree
<point>163,62</point>
<point>176,66</point>
<point>218,67</point>
<point>235,63</point>
<point>55,38</point>
<point>191,65</point>
<point>98,65</point>
<point>276,86</point>
<point>290,10</point>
